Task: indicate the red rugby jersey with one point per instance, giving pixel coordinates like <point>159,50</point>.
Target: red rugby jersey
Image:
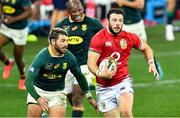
<point>118,46</point>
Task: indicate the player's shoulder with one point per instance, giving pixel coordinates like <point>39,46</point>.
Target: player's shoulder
<point>92,20</point>
<point>127,34</point>
<point>63,21</point>
<point>43,51</point>
<point>69,54</point>
<point>26,2</point>
<point>100,33</point>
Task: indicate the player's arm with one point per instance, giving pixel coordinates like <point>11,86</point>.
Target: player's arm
<point>148,53</point>
<point>98,25</point>
<point>25,15</point>
<point>92,61</point>
<point>75,69</point>
<point>31,75</point>
<point>93,67</point>
<point>137,4</point>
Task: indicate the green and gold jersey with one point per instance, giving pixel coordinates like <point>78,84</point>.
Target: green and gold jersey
<point>48,72</point>
<point>15,8</point>
<point>80,34</point>
<point>131,15</point>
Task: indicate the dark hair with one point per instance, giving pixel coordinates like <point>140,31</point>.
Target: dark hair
<point>71,3</point>
<point>115,11</point>
<point>54,34</point>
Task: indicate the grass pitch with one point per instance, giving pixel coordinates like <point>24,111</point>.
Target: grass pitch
<point>152,98</point>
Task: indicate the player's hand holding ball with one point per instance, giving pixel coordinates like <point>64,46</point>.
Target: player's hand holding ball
<point>107,68</point>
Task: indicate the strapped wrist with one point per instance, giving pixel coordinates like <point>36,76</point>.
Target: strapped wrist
<point>88,95</point>
<point>151,61</point>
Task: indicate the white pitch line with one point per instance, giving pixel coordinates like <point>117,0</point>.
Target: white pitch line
<point>137,85</point>
<point>157,83</point>
<point>159,54</point>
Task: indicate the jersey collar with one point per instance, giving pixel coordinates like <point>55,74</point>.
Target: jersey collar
<point>51,52</point>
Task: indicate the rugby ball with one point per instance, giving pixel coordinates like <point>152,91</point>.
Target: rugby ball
<point>108,63</point>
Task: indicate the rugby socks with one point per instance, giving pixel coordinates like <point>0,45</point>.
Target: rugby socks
<point>22,77</point>
<point>77,113</point>
<point>170,17</point>
<point>169,26</point>
<point>6,62</point>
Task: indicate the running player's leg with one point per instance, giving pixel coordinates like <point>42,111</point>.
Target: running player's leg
<point>34,110</point>
<point>18,54</point>
<point>171,4</point>
<point>8,62</point>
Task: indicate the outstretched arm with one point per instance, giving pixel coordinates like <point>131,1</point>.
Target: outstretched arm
<point>148,53</point>
<point>75,69</point>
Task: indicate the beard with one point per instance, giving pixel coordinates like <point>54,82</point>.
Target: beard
<point>112,31</point>
<point>60,50</point>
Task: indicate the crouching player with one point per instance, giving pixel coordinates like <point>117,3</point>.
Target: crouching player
<point>46,77</point>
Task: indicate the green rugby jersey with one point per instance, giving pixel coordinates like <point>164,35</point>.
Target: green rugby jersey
<point>80,34</point>
<point>15,8</point>
<point>132,15</point>
<point>48,72</point>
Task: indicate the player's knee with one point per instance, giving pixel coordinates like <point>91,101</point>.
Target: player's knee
<point>77,102</point>
<point>126,113</point>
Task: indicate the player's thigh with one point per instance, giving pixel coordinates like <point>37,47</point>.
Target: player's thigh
<point>3,40</point>
<point>77,95</point>
<point>113,113</point>
<point>57,111</point>
<point>34,110</point>
<point>18,51</point>
<point>88,75</point>
<point>126,102</point>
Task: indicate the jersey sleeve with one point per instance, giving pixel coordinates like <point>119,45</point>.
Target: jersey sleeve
<point>60,24</point>
<point>96,43</point>
<point>76,71</point>
<point>136,41</point>
<point>98,25</point>
<point>26,3</point>
<point>32,74</point>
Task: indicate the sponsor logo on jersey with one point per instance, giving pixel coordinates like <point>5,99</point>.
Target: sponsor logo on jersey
<point>123,43</point>
<point>52,76</point>
<point>56,66</point>
<point>75,40</point>
<point>108,43</point>
<point>49,66</point>
<point>74,28</point>
<point>65,66</point>
<point>66,27</point>
<point>32,69</point>
<point>13,1</point>
<point>8,9</point>
<point>103,104</point>
<point>84,27</point>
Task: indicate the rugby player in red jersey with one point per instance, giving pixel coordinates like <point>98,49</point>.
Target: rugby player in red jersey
<point>114,88</point>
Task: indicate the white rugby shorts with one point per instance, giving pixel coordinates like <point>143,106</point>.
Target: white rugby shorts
<point>54,97</point>
<point>70,80</point>
<point>137,28</point>
<point>107,97</point>
<point>19,36</point>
